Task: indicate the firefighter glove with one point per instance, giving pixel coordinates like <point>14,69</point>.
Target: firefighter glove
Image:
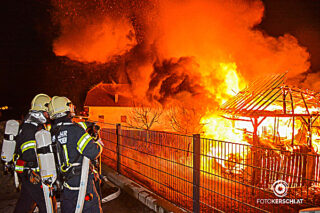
<point>34,177</point>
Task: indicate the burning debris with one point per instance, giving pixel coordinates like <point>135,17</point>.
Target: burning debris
<point>287,117</point>
<point>287,114</point>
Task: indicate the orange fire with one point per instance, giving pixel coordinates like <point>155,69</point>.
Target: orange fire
<point>96,42</point>
<point>218,37</point>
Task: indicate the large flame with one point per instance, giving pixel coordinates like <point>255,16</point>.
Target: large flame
<point>191,52</point>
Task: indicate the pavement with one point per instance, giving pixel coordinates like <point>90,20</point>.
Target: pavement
<point>123,204</point>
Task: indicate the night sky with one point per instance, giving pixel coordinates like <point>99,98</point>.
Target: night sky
<point>28,65</point>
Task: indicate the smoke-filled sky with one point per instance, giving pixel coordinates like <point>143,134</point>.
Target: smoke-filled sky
<point>166,49</point>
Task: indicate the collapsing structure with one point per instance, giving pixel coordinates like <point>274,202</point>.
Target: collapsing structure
<point>271,98</point>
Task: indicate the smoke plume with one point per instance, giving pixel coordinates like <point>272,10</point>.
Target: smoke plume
<point>172,49</point>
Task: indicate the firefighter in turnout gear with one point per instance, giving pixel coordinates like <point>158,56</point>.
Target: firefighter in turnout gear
<point>26,166</point>
<point>74,146</point>
<point>93,130</point>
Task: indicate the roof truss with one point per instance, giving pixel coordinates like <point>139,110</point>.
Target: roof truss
<point>272,97</point>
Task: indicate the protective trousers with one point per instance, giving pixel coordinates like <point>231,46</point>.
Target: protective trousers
<point>69,199</point>
<point>31,195</point>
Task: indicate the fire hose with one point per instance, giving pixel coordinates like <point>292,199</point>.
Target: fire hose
<point>103,200</point>
<point>113,195</point>
<point>105,179</point>
<point>95,131</point>
<point>80,202</point>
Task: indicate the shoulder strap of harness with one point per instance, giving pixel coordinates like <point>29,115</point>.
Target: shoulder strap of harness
<point>62,150</point>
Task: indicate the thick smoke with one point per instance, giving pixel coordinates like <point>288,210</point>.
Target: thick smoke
<point>171,77</point>
<point>172,49</point>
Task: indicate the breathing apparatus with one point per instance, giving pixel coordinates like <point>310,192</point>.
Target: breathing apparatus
<point>39,106</point>
<point>94,131</point>
<point>37,117</point>
<point>44,149</point>
<point>57,108</point>
<point>46,161</point>
<point>46,157</point>
<point>9,144</point>
<point>60,107</point>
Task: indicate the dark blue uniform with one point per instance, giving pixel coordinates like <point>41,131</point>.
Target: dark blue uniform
<point>74,143</point>
<point>31,194</point>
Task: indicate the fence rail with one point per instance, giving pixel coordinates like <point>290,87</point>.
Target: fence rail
<point>206,175</point>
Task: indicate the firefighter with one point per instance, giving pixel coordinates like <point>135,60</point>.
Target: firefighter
<point>73,143</point>
<point>93,130</point>
<point>31,194</point>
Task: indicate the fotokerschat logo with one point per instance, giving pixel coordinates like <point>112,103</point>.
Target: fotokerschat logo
<point>280,189</point>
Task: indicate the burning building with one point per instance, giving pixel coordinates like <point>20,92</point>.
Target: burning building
<point>272,98</point>
<point>198,54</point>
<point>287,117</point>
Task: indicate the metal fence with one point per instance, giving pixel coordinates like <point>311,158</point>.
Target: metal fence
<point>206,175</point>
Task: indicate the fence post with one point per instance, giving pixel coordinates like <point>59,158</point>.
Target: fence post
<point>256,173</point>
<point>196,173</point>
<point>118,132</point>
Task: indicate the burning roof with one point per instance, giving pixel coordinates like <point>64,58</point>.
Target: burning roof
<point>274,98</point>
